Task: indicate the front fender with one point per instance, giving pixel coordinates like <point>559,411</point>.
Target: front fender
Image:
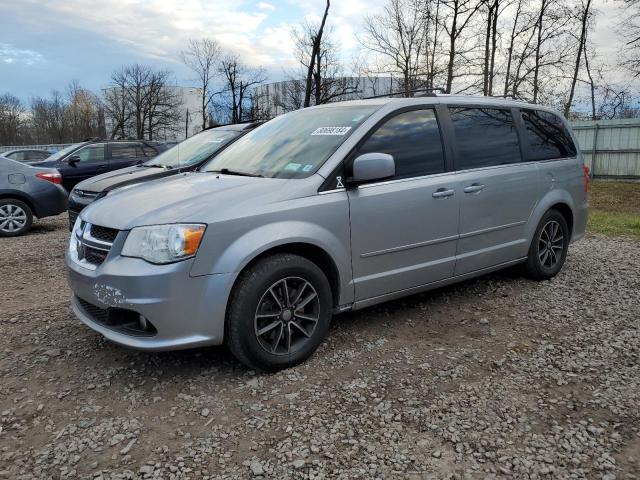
<point>229,247</point>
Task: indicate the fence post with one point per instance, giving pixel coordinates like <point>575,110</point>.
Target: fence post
<point>594,151</point>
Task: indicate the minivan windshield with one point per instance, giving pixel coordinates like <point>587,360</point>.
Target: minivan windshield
<point>61,153</point>
<point>194,149</point>
<point>293,145</point>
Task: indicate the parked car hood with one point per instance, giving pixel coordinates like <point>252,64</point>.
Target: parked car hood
<point>191,198</point>
<point>122,177</point>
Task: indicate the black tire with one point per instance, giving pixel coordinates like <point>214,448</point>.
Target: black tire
<point>252,292</point>
<point>23,215</point>
<point>541,266</point>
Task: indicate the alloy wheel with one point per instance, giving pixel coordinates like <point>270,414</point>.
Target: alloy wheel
<point>550,244</point>
<point>287,316</point>
<point>12,218</point>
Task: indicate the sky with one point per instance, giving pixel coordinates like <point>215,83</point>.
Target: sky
<point>44,44</point>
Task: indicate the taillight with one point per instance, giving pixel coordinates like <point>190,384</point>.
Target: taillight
<point>50,177</point>
<point>585,177</point>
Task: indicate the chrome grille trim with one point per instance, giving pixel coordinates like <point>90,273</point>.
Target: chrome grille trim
<point>88,245</point>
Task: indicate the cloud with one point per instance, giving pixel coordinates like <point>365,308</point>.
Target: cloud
<point>154,28</point>
<point>10,54</point>
<point>265,6</point>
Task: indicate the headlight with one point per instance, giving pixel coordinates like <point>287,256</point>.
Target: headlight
<point>163,243</point>
<point>73,241</point>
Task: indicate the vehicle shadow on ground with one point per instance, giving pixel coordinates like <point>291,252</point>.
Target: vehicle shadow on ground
<point>192,363</point>
<point>41,228</point>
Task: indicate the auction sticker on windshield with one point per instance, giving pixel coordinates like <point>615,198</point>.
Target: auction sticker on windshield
<point>331,131</point>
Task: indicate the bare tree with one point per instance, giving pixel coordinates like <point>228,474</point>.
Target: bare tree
<point>140,103</point>
<point>329,83</point>
<point>239,79</point>
<point>163,103</point>
<point>584,15</point>
<point>460,14</point>
<point>86,113</point>
<point>397,37</point>
<point>630,32</point>
<point>12,119</point>
<point>202,57</point>
<point>316,42</point>
<point>116,105</point>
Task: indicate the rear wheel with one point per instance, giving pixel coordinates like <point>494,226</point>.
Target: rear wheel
<point>549,247</point>
<point>279,312</point>
<point>15,217</point>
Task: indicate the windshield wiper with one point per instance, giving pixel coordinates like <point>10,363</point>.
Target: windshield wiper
<point>156,165</point>
<point>226,171</point>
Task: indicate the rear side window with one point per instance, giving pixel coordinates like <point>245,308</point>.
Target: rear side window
<point>413,138</point>
<point>123,151</point>
<point>484,137</point>
<point>91,153</point>
<point>547,136</point>
<point>37,155</point>
<point>149,151</point>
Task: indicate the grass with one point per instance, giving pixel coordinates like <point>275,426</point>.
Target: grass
<point>615,208</point>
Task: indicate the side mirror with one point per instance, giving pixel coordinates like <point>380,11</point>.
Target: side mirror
<point>73,159</point>
<point>372,166</point>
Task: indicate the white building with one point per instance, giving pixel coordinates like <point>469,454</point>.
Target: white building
<point>273,99</point>
<point>190,111</point>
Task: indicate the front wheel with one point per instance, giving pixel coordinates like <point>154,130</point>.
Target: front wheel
<point>549,247</point>
<point>279,312</point>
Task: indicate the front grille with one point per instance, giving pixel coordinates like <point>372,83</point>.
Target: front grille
<point>94,243</point>
<point>103,233</point>
<point>121,320</point>
<point>94,256</point>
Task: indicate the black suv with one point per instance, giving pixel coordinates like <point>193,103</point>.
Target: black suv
<point>183,157</point>
<point>93,157</point>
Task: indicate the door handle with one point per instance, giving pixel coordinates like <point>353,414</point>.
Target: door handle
<point>473,188</point>
<point>443,193</point>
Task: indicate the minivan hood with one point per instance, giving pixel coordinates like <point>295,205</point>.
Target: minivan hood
<point>122,177</point>
<point>188,197</point>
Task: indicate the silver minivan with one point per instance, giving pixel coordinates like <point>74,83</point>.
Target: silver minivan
<point>325,210</point>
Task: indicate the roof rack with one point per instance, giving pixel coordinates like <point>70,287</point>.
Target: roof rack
<point>429,91</point>
<point>512,97</point>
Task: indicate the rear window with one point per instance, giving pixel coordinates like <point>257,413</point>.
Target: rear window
<point>484,137</point>
<point>547,136</point>
<point>123,151</point>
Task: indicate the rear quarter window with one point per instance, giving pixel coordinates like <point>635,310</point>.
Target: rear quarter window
<point>547,136</point>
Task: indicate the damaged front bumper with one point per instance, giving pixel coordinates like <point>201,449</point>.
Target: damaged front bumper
<point>150,307</point>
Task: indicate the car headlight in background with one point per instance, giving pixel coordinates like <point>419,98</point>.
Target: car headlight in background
<point>163,243</point>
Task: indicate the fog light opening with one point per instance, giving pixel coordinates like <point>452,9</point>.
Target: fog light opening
<point>143,322</point>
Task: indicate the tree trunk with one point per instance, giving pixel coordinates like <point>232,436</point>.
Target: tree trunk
<point>512,41</point>
<point>487,41</point>
<point>494,44</point>
<point>576,70</point>
<point>317,42</point>
<point>452,46</point>
<point>592,86</point>
<point>536,71</point>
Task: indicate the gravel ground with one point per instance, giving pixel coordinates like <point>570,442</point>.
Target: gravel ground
<point>498,377</point>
